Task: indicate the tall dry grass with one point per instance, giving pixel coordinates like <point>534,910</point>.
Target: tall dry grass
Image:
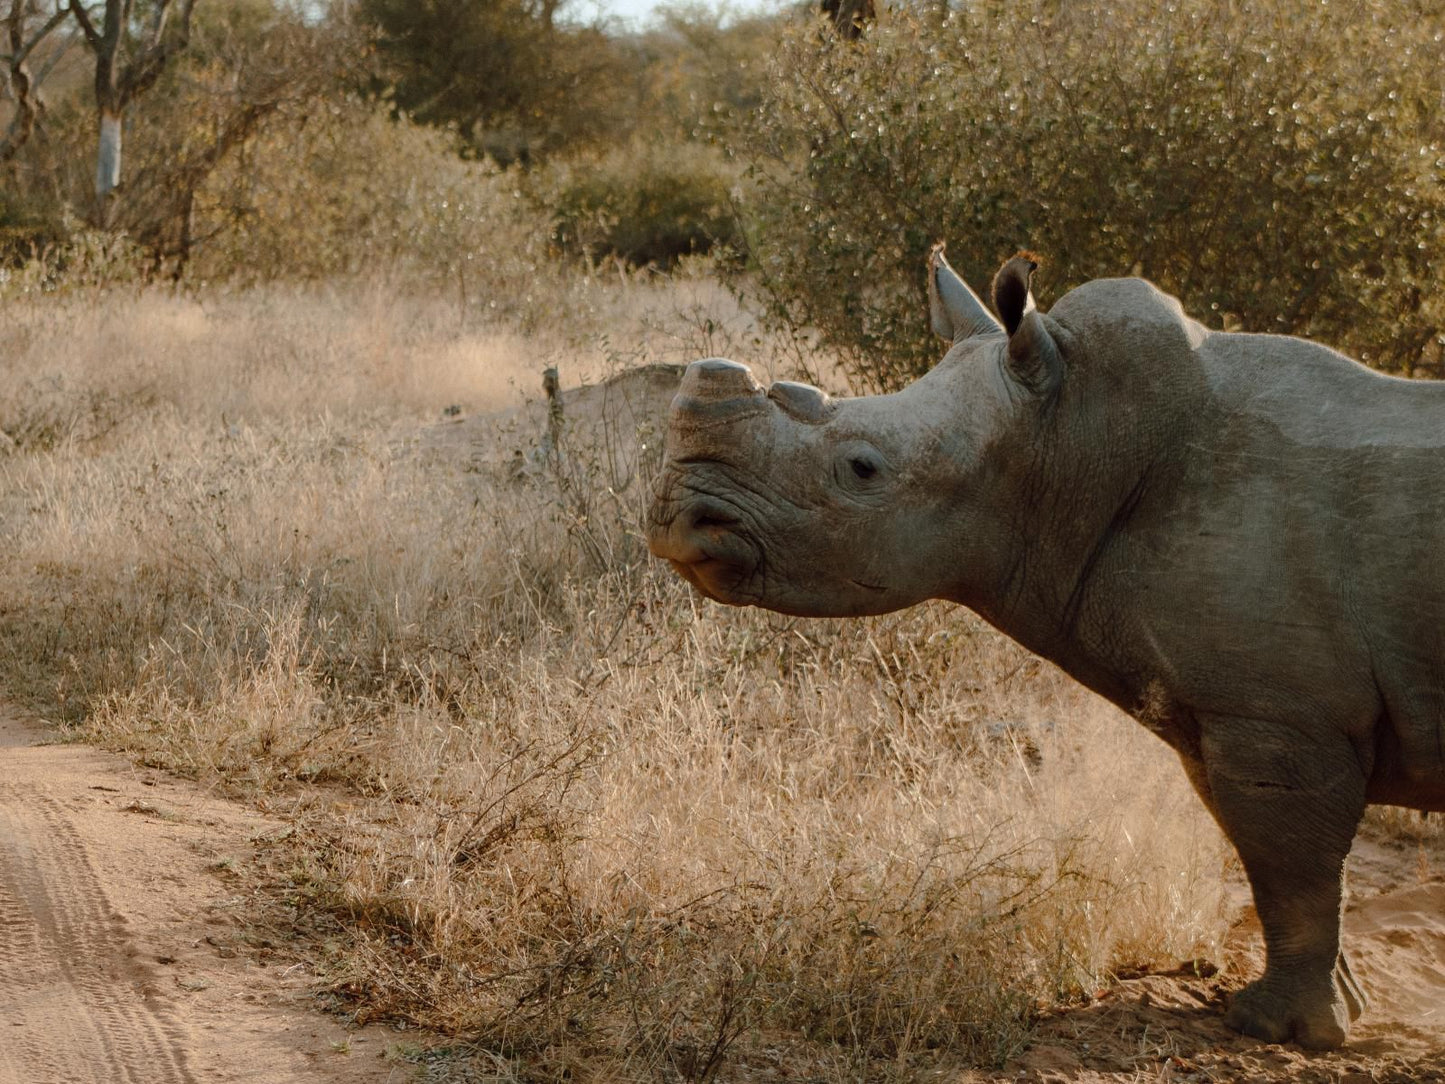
<point>551,802</point>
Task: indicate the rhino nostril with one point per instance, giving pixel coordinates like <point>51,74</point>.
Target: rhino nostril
<point>709,542</point>
<point>711,518</point>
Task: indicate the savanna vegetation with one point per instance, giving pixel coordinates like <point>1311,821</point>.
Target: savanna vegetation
<point>548,803</point>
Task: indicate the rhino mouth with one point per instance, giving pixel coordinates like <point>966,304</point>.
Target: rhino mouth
<point>718,580</point>
<point>705,543</point>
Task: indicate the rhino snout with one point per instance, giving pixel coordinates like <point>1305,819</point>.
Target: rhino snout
<point>722,427</point>
<point>702,539</point>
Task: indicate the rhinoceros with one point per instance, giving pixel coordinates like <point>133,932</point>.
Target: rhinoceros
<point>1239,539</point>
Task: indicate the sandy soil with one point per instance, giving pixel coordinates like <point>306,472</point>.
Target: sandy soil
<point>118,919</point>
<point>1170,1027</point>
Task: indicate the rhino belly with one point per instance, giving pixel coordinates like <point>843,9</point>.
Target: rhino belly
<point>1410,742</point>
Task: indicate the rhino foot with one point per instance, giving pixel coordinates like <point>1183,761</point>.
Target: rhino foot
<point>1278,1011</point>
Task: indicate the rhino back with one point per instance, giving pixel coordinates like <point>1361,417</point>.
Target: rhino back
<point>1292,565</point>
<point>1348,472</point>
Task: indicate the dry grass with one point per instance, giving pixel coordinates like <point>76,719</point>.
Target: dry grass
<point>557,805</point>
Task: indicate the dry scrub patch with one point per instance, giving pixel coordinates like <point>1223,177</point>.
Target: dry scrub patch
<point>554,804</point>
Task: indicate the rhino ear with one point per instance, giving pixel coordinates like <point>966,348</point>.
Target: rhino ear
<point>1033,354</point>
<point>956,311</point>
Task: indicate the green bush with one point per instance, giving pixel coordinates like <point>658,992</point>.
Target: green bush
<point>352,192</point>
<point>344,192</point>
<point>514,80</point>
<point>20,243</point>
<point>645,204</point>
<point>1276,164</point>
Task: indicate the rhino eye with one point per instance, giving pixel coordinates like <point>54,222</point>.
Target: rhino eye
<point>859,468</point>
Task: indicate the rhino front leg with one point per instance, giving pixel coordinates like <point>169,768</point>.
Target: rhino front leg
<point>1290,802</point>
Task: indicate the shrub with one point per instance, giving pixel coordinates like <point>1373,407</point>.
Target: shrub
<point>351,192</point>
<point>1276,166</point>
<point>514,80</point>
<point>23,233</point>
<point>347,192</point>
<point>75,258</point>
<point>646,204</point>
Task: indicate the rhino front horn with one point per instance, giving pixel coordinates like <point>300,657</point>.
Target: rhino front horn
<point>718,378</point>
<point>716,389</point>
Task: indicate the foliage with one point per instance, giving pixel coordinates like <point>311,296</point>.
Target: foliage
<point>702,68</point>
<point>649,203</point>
<point>350,191</point>
<point>343,192</point>
<point>509,76</point>
<point>254,157</point>
<point>24,233</point>
<point>1275,165</point>
<point>252,67</point>
<point>79,259</point>
<point>250,64</point>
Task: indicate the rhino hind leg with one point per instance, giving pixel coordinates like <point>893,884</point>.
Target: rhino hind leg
<point>1290,804</point>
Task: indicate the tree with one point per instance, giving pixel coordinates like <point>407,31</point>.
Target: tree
<point>127,64</point>
<point>26,27</point>
<point>251,64</point>
<point>514,81</point>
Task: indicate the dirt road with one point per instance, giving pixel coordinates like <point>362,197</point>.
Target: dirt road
<point>116,919</point>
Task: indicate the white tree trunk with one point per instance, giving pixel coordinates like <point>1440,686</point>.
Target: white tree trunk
<point>107,162</point>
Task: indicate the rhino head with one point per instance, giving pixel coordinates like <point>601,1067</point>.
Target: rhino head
<point>786,498</point>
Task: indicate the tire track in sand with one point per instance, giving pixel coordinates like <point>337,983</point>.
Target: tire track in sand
<point>121,955</point>
<point>75,1003</point>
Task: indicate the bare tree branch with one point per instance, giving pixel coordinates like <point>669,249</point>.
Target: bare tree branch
<point>22,54</point>
<point>158,24</point>
<point>57,54</point>
<point>147,67</point>
<point>83,19</point>
<point>21,85</point>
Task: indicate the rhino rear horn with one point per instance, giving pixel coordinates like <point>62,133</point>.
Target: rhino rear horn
<point>1033,353</point>
<point>955,310</point>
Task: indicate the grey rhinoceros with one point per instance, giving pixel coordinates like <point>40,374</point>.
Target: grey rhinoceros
<point>1239,539</point>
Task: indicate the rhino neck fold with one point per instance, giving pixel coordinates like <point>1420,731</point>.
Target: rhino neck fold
<point>1084,506</point>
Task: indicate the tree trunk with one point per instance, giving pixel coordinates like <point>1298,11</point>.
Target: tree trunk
<point>107,165</point>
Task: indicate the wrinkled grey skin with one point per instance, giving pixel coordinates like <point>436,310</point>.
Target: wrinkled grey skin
<point>1238,539</point>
